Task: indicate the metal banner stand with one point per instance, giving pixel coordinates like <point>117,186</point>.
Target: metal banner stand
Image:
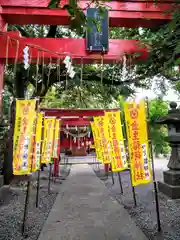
<point>133,190</point>
<point>26,207</point>
<point>49,180</point>
<point>112,175</point>
<point>120,182</point>
<point>27,192</point>
<point>98,168</point>
<point>134,196</point>
<point>153,172</point>
<point>93,162</point>
<point>38,187</point>
<point>39,171</point>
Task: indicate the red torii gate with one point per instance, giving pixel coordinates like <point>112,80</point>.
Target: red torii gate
<point>73,117</point>
<point>124,13</point>
<point>60,47</point>
<point>127,13</point>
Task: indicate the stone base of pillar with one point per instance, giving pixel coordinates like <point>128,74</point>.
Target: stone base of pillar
<point>171,185</point>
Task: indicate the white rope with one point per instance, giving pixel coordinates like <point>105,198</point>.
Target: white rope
<point>79,135</point>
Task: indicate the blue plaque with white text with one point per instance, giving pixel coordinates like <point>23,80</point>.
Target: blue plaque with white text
<point>97,38</point>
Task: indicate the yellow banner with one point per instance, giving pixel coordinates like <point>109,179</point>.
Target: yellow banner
<point>101,128</point>
<point>98,142</point>
<point>37,144</point>
<point>56,137</point>
<point>95,141</point>
<point>136,125</point>
<point>23,136</point>
<point>33,146</point>
<point>116,140</point>
<point>48,143</point>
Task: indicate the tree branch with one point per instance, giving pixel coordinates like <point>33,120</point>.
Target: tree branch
<point>9,84</point>
<point>22,31</point>
<point>172,79</point>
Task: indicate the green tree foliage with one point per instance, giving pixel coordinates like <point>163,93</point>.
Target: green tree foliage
<point>18,82</point>
<point>112,78</point>
<point>89,95</point>
<point>162,39</point>
<point>164,50</point>
<point>108,81</point>
<point>158,108</point>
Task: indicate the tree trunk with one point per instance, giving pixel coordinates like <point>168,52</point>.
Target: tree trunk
<point>19,83</point>
<point>8,159</point>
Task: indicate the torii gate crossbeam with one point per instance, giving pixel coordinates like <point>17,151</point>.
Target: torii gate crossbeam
<point>75,48</point>
<point>121,13</point>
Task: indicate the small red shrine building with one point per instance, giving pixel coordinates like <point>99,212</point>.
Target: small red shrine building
<point>75,136</point>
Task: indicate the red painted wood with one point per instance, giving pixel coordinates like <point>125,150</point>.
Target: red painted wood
<point>128,18</point>
<point>84,110</point>
<point>1,83</point>
<point>60,112</point>
<point>3,28</point>
<point>121,13</point>
<point>112,5</point>
<point>75,123</point>
<point>25,3</point>
<point>75,48</point>
<point>3,24</point>
<point>73,118</point>
<point>130,6</point>
<point>56,168</point>
<point>74,113</point>
<point>106,167</point>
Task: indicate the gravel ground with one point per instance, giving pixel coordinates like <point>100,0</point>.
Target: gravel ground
<point>12,207</point>
<point>145,213</point>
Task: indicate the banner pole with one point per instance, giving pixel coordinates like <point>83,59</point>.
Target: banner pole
<point>97,165</point>
<point>153,171</point>
<point>26,207</point>
<point>134,196</point>
<point>39,171</point>
<point>38,188</point>
<point>29,180</point>
<point>133,189</point>
<point>55,154</point>
<point>112,175</point>
<point>120,182</point>
<point>49,181</point>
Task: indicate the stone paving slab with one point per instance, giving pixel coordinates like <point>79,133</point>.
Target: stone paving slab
<point>84,210</point>
<point>81,160</point>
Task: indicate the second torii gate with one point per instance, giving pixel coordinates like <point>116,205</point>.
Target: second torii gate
<point>73,117</point>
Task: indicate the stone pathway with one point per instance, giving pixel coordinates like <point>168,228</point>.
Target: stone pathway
<point>90,159</point>
<point>85,210</point>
